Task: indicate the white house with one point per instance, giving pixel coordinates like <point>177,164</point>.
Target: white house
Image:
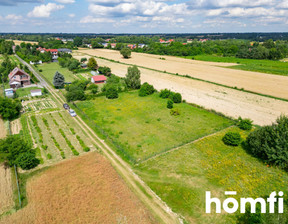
<point>36,92</point>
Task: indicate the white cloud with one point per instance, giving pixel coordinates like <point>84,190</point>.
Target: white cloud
<point>91,19</point>
<point>72,15</point>
<point>45,10</point>
<point>65,1</point>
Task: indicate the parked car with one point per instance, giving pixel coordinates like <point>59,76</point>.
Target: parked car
<point>66,106</point>
<point>72,113</point>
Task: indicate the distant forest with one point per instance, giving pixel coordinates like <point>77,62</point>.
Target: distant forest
<point>272,46</point>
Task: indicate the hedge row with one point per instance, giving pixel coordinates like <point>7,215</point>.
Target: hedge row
<point>58,146</point>
<point>81,142</point>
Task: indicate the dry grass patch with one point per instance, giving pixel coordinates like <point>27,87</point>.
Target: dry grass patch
<point>83,190</point>
<point>6,191</point>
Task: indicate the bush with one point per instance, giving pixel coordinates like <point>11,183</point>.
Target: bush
<point>270,143</point>
<point>86,149</point>
<point>244,124</point>
<point>169,104</point>
<point>177,98</point>
<point>146,89</point>
<point>232,138</point>
<point>175,112</point>
<point>165,93</point>
<point>49,156</point>
<point>27,161</point>
<point>111,92</point>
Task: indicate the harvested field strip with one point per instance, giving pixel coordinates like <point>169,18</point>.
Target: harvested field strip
<point>86,189</point>
<point>3,131</point>
<point>273,85</point>
<point>6,190</point>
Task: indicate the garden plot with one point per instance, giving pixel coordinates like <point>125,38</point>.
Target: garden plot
<point>37,105</point>
<point>57,137</point>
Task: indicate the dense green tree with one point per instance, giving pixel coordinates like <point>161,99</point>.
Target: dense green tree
<point>83,60</point>
<point>111,92</point>
<point>270,143</point>
<point>77,41</point>
<point>177,98</point>
<point>126,52</point>
<point>146,89</point>
<point>75,93</point>
<point>27,160</point>
<point>132,79</point>
<point>58,80</point>
<point>9,109</point>
<point>13,147</point>
<point>104,70</point>
<point>92,64</point>
<point>169,104</point>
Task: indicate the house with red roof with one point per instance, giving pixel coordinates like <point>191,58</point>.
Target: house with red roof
<point>18,78</point>
<point>97,79</point>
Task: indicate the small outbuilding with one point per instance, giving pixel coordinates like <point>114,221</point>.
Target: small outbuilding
<point>97,79</point>
<point>36,92</point>
<point>9,93</point>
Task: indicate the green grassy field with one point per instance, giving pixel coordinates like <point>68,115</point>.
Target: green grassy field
<point>49,69</point>
<point>25,91</point>
<point>264,66</point>
<point>143,126</point>
<point>182,177</point>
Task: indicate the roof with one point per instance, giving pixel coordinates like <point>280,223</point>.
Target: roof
<point>99,78</point>
<point>51,50</point>
<point>15,71</point>
<point>64,50</point>
<point>35,90</point>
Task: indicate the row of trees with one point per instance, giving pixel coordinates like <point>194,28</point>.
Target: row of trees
<point>239,48</point>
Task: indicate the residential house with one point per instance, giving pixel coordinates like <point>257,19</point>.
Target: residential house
<point>97,79</point>
<point>18,78</point>
<point>113,45</point>
<point>36,92</point>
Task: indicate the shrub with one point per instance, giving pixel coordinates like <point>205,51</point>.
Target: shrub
<point>27,161</point>
<point>177,98</point>
<point>169,104</point>
<point>175,112</point>
<point>86,149</point>
<point>232,138</point>
<point>111,92</point>
<point>49,156</point>
<point>146,89</point>
<point>45,147</point>
<point>164,93</point>
<point>270,143</point>
<point>244,124</point>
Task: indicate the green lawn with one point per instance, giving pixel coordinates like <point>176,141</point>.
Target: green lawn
<point>264,66</point>
<point>182,177</point>
<point>143,126</point>
<point>49,69</point>
<point>25,91</point>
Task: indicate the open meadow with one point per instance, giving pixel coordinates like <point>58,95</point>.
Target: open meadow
<point>143,126</point>
<point>234,103</point>
<point>86,189</point>
<point>274,85</point>
<point>181,177</point>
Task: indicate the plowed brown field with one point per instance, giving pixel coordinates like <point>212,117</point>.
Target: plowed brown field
<point>231,102</point>
<point>274,85</point>
<point>84,190</point>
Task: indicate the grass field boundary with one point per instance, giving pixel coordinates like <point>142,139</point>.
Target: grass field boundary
<point>183,145</point>
<point>194,78</point>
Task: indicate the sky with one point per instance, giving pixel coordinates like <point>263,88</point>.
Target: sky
<point>143,16</point>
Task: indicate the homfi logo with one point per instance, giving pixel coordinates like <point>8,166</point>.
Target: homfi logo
<point>231,205</point>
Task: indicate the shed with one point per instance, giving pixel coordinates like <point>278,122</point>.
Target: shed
<point>98,79</point>
<point>36,92</point>
<point>9,93</point>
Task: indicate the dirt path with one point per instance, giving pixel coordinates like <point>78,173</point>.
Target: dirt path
<point>3,131</point>
<point>6,191</point>
<point>231,102</point>
<point>274,85</point>
<point>149,198</point>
